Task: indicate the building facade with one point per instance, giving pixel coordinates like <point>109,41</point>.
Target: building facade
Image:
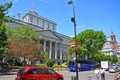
<point>111,47</point>
<point>54,43</point>
<point>108,47</point>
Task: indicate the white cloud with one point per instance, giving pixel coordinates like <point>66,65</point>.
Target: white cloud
<point>72,36</point>
<point>82,25</point>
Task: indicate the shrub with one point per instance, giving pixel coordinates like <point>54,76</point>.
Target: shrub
<point>43,65</point>
<point>50,63</point>
<point>60,66</point>
<point>11,67</point>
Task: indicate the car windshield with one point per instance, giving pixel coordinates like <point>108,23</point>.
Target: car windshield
<point>22,71</point>
<point>113,67</point>
<point>52,71</point>
<point>118,66</point>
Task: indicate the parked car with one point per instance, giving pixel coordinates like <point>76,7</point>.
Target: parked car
<point>118,67</point>
<point>38,73</point>
<point>113,69</point>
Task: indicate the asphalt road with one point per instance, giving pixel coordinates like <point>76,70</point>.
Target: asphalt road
<point>86,75</point>
<point>83,75</point>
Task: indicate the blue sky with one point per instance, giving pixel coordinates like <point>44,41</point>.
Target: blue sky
<point>100,15</point>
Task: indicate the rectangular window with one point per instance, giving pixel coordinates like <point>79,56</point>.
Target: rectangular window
<point>43,23</point>
<point>48,25</point>
<point>31,19</point>
<point>37,22</point>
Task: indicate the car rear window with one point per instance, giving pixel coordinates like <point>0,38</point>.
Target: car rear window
<point>22,71</point>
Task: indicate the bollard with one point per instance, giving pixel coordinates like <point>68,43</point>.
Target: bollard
<point>0,67</point>
<point>73,77</point>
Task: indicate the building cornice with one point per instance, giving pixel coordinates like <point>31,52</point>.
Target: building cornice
<point>38,16</point>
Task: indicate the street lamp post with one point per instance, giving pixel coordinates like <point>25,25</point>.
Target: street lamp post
<point>74,21</point>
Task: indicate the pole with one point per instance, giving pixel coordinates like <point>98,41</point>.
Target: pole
<point>74,21</point>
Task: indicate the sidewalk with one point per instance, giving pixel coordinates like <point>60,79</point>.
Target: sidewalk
<point>14,71</point>
<point>7,72</point>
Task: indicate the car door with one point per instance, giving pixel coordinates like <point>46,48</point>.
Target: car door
<point>51,74</point>
<point>36,74</point>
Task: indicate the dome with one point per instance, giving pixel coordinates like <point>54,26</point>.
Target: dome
<point>108,45</point>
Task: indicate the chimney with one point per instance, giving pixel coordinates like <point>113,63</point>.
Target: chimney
<point>18,16</point>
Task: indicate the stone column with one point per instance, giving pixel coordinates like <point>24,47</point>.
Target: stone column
<point>55,50</point>
<point>60,51</point>
<point>44,45</point>
<point>50,49</point>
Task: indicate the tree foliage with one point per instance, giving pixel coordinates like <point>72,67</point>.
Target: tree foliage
<point>3,41</point>
<point>4,11</point>
<point>27,49</point>
<point>92,41</point>
<point>100,56</point>
<point>45,56</point>
<point>50,63</point>
<point>114,58</point>
<point>22,32</point>
<point>24,42</point>
<point>71,55</point>
<point>3,18</point>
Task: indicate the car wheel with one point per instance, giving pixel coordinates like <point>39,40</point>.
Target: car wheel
<point>60,79</point>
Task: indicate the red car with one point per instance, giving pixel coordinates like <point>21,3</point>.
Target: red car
<point>38,73</point>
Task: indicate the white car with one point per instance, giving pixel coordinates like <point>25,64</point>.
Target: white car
<point>112,69</point>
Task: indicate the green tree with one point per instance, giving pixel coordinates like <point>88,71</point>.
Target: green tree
<point>114,58</point>
<point>22,32</point>
<point>3,41</point>
<point>71,55</point>
<point>45,57</point>
<point>3,18</point>
<point>100,56</point>
<point>107,57</point>
<point>4,11</point>
<point>92,41</point>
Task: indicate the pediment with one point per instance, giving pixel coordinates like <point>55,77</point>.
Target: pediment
<point>49,33</point>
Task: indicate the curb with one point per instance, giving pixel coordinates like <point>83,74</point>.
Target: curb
<point>8,73</point>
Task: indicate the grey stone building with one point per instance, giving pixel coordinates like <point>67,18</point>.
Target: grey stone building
<point>111,46</point>
<point>108,47</point>
<point>54,43</point>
